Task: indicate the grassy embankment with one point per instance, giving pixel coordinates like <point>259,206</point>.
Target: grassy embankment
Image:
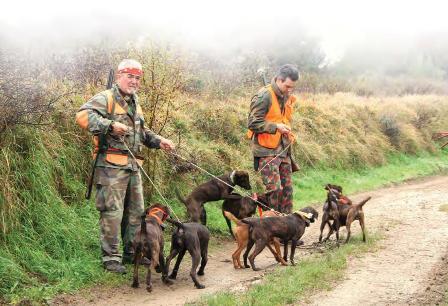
<point>49,234</point>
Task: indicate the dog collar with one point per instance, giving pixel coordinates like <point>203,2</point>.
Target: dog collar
<point>154,211</point>
<point>232,177</point>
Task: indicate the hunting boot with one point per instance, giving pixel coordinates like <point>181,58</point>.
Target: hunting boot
<point>114,266</point>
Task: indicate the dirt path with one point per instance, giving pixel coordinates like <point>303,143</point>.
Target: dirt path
<point>409,268</point>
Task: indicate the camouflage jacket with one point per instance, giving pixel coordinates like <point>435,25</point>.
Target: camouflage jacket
<point>259,107</point>
<point>126,111</point>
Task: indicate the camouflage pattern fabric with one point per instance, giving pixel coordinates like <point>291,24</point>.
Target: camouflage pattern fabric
<point>277,179</point>
<point>119,199</point>
<point>127,112</point>
<point>119,196</point>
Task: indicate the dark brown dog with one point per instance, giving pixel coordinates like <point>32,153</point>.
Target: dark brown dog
<point>192,237</point>
<point>148,242</point>
<point>286,228</point>
<point>342,214</point>
<point>342,199</point>
<point>243,207</point>
<point>213,190</point>
<point>242,238</point>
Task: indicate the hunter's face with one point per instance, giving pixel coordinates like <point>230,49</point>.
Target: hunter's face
<point>128,83</point>
<point>286,86</point>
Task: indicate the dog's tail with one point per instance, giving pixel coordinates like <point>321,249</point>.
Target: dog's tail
<point>174,222</point>
<point>179,196</point>
<point>360,204</point>
<point>230,216</point>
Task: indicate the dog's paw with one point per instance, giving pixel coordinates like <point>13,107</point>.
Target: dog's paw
<point>200,272</point>
<point>158,269</point>
<point>149,288</point>
<point>172,276</point>
<point>135,285</point>
<point>199,286</point>
<point>167,281</point>
<point>293,263</point>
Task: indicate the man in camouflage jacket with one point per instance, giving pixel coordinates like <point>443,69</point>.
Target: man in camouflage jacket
<point>269,126</point>
<point>116,114</point>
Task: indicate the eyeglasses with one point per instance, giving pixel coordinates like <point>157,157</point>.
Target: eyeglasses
<point>132,76</point>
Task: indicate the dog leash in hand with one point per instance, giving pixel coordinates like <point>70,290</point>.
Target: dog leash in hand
<point>147,176</point>
<point>281,152</point>
<point>225,183</point>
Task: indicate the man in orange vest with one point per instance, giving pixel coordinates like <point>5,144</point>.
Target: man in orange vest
<point>116,116</point>
<point>269,126</point>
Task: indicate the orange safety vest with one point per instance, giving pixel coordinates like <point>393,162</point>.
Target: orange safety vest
<point>272,141</point>
<point>114,156</point>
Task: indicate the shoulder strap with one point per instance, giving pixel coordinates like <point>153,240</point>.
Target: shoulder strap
<point>110,103</point>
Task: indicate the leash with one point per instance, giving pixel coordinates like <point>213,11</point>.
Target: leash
<point>147,176</point>
<point>225,183</point>
<point>281,152</point>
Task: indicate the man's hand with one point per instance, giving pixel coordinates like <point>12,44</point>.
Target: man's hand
<point>119,129</point>
<point>166,144</point>
<point>283,128</point>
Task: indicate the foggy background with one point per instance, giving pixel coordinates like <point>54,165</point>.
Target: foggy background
<point>360,41</point>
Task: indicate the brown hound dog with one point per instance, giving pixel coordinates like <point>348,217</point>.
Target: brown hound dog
<point>243,207</point>
<point>148,242</point>
<point>214,190</point>
<point>341,213</point>
<point>242,238</point>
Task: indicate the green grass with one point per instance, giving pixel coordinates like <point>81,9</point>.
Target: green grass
<point>287,285</point>
<point>400,167</point>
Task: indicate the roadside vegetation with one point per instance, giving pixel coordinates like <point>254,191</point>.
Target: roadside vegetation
<point>49,232</point>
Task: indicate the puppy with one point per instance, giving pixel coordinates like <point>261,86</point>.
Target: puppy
<point>342,214</point>
<point>148,242</point>
<point>242,238</point>
<point>213,190</point>
<point>243,207</point>
<point>191,237</point>
<point>286,228</point>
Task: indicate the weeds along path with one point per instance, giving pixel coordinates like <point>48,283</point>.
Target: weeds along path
<point>402,271</point>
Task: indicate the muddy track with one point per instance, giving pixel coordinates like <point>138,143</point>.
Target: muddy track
<point>409,267</point>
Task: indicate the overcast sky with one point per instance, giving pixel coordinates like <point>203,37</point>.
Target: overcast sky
<point>215,24</point>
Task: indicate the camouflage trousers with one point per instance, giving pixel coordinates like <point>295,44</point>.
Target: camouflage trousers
<point>119,199</point>
<point>277,179</point>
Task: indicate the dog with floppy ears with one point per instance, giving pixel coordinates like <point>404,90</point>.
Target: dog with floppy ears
<point>192,237</point>
<point>243,207</point>
<point>241,236</point>
<point>285,228</point>
<point>148,242</point>
<point>339,209</point>
<point>214,190</point>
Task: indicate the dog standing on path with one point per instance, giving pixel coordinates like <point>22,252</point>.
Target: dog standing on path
<point>341,214</point>
<point>148,242</point>
<point>192,237</point>
<point>286,228</point>
<point>242,238</point>
<point>213,190</point>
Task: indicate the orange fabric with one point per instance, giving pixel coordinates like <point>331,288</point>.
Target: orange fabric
<point>274,114</point>
<point>82,119</point>
<point>343,200</point>
<point>119,158</point>
<point>153,213</point>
